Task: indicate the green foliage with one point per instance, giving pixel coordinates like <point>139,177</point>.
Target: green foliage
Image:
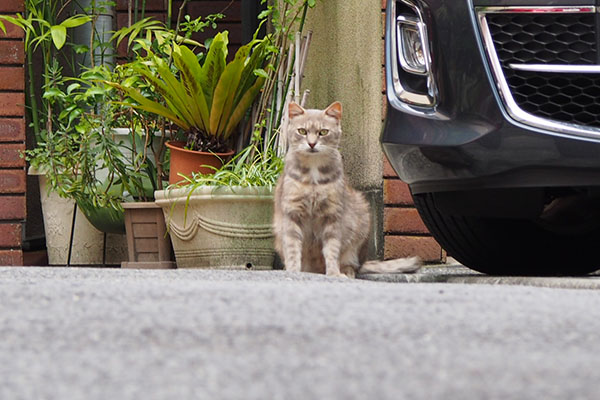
<point>78,150</point>
<point>154,34</point>
<point>206,100</point>
<point>46,28</point>
<point>287,19</point>
<point>250,167</point>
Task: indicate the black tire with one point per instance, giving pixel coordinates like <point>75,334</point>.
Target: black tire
<point>498,246</point>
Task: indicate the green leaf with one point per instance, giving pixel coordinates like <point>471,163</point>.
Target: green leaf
<point>261,73</point>
<point>150,106</point>
<point>59,36</point>
<point>188,65</point>
<point>76,20</point>
<point>172,90</point>
<point>72,87</point>
<point>226,90</point>
<point>243,105</point>
<point>95,90</point>
<point>213,66</point>
<point>53,92</point>
<point>264,14</point>
<point>81,48</point>
<point>252,69</point>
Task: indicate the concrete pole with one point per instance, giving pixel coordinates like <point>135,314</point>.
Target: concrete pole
<point>345,64</point>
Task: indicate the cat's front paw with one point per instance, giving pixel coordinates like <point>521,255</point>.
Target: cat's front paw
<point>349,272</point>
<point>293,268</point>
<point>336,274</point>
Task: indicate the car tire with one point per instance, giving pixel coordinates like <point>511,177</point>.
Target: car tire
<point>502,246</point>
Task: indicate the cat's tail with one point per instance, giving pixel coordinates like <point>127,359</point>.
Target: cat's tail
<point>397,266</point>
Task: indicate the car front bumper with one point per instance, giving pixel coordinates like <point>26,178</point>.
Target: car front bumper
<point>469,139</point>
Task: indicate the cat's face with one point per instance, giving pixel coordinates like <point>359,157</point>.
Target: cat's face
<point>314,132</point>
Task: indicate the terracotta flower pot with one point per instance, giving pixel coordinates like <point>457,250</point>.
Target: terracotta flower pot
<point>187,161</point>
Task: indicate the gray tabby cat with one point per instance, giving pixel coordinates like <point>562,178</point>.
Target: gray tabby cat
<point>321,223</point>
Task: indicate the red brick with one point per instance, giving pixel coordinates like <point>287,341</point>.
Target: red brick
<point>388,170</point>
<point>12,207</point>
<point>12,129</point>
<point>12,181</point>
<point>396,192</point>
<point>12,32</point>
<point>11,6</point>
<point>151,5</point>
<point>10,155</point>
<point>11,257</point>
<point>12,104</point>
<point>232,11</point>
<point>12,78</point>
<point>12,52</point>
<point>403,220</point>
<point>10,235</point>
<point>407,246</point>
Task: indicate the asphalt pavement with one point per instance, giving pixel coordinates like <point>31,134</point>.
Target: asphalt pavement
<point>84,333</point>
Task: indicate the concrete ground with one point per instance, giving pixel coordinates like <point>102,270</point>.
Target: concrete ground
<point>84,333</point>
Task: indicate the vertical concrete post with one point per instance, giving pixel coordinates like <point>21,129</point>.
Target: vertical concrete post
<point>344,64</point>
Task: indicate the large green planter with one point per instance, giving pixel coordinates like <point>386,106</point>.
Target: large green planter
<point>224,228</point>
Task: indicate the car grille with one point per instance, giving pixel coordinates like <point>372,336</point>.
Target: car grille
<point>548,38</point>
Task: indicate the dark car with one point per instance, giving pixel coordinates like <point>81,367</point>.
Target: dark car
<point>493,120</point>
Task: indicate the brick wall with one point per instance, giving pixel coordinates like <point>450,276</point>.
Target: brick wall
<point>12,139</point>
<point>404,231</point>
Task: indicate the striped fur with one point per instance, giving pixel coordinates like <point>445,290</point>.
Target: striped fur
<point>321,223</point>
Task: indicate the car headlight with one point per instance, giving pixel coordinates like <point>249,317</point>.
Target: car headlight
<point>410,63</point>
<point>413,52</point>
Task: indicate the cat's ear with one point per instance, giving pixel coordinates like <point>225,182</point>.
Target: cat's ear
<point>294,110</point>
<point>334,110</point>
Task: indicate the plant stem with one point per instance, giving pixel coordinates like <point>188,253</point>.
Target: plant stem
<point>169,13</point>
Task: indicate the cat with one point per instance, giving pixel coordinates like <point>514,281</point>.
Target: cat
<point>321,224</point>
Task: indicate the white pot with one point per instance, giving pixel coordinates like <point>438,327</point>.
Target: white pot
<point>122,137</point>
<point>88,242</point>
<point>225,228</point>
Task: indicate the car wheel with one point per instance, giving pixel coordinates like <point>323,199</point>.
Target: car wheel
<point>503,246</point>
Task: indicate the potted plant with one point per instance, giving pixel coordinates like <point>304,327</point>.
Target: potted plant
<point>148,243</point>
<point>202,95</point>
<point>81,157</point>
<point>223,219</point>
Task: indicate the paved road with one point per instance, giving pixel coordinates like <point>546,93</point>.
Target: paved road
<point>118,334</point>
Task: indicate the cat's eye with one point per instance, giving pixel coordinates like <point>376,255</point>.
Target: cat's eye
<point>323,132</point>
<point>302,131</point>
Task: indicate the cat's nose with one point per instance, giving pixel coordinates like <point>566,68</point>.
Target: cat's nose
<point>312,145</point>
